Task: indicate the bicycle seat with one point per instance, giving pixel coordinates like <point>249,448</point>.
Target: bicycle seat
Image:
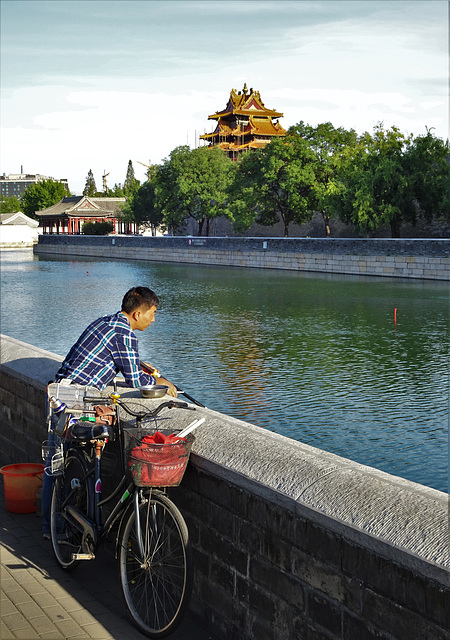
<point>84,431</point>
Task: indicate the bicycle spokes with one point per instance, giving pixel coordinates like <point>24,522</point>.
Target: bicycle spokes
<point>154,582</point>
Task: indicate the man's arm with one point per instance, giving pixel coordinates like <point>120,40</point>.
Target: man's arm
<point>126,359</point>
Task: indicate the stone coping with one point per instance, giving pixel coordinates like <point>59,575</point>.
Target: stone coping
<point>391,515</point>
<point>433,247</point>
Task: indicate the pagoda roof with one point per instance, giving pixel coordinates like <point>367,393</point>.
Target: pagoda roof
<point>256,126</point>
<point>264,127</point>
<point>233,146</point>
<point>245,103</point>
<point>82,206</point>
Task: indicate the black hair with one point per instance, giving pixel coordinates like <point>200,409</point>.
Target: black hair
<point>138,297</point>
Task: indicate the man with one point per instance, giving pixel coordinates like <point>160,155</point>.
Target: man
<point>109,346</point>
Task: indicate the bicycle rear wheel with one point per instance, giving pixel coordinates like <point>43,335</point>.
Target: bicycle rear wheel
<point>70,488</point>
<point>155,563</point>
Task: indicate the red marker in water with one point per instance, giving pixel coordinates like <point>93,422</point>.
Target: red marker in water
<point>87,272</point>
<point>395,316</point>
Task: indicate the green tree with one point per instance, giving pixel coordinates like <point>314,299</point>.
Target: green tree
<point>10,204</point>
<point>165,180</point>
<point>375,189</point>
<point>90,188</point>
<point>41,195</point>
<point>115,192</point>
<point>97,228</point>
<point>428,163</point>
<point>330,147</point>
<point>193,184</point>
<point>243,191</point>
<point>131,184</point>
<point>276,183</point>
<point>143,207</point>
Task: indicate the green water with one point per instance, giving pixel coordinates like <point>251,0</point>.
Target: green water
<point>318,358</point>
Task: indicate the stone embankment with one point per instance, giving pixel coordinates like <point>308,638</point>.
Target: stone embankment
<point>423,259</point>
<point>289,541</point>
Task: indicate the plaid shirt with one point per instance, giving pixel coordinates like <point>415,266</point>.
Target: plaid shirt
<point>108,346</point>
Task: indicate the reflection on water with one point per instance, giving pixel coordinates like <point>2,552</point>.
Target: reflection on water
<point>318,358</point>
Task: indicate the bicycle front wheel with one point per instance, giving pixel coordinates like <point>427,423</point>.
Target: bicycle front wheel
<point>155,563</point>
<point>70,488</point>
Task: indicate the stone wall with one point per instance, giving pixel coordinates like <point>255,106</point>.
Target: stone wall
<point>290,542</point>
<point>424,259</point>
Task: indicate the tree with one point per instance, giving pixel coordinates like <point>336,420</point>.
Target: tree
<point>330,147</point>
<point>165,190</point>
<point>242,191</point>
<point>193,184</point>
<point>274,183</point>
<point>10,204</point>
<point>41,195</point>
<point>131,184</point>
<point>375,188</point>
<point>143,207</point>
<point>97,228</point>
<point>428,163</point>
<point>90,188</point>
<point>115,192</point>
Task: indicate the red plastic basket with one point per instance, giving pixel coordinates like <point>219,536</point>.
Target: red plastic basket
<point>158,464</point>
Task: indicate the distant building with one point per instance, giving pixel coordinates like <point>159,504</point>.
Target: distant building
<point>68,216</point>
<point>17,230</point>
<point>245,123</point>
<point>15,183</point>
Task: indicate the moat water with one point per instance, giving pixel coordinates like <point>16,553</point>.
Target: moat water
<point>356,366</point>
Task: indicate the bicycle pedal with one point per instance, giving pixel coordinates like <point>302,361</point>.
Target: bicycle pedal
<point>83,556</point>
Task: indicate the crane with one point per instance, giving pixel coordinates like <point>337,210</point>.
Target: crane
<point>149,168</point>
<point>105,175</point>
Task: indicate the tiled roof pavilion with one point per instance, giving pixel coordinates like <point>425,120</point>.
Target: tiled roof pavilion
<point>69,214</point>
<point>245,123</point>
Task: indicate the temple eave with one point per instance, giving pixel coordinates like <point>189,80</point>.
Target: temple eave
<point>245,123</point>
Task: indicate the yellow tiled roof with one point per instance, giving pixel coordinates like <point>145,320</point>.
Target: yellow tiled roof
<point>245,103</point>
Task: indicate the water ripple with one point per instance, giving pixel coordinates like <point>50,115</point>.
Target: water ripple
<point>316,358</point>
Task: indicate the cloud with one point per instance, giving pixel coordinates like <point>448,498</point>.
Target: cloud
<point>102,130</point>
<point>116,81</point>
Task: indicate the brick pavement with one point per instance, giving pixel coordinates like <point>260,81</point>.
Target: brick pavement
<point>40,600</point>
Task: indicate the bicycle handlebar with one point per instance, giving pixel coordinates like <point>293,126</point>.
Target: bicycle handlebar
<point>152,413</point>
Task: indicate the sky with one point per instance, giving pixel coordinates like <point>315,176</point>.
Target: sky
<point>92,84</point>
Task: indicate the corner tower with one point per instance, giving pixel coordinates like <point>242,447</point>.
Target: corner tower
<point>245,123</point>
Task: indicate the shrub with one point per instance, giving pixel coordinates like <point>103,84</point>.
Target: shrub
<point>97,228</point>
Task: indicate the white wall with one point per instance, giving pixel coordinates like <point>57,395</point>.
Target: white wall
<point>18,234</point>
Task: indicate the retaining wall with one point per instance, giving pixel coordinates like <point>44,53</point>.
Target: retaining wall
<point>426,259</point>
<point>290,542</point>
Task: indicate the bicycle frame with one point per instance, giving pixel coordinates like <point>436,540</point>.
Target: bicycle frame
<point>152,541</point>
<point>94,533</point>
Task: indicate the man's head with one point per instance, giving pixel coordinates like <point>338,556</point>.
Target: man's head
<point>139,297</point>
<point>139,305</point>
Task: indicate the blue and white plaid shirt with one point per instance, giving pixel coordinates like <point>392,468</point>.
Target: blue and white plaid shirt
<point>108,346</point>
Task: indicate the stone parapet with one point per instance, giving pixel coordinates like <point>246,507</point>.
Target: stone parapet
<point>289,541</point>
<point>423,259</point>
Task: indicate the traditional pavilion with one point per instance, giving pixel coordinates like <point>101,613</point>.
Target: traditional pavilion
<point>245,123</point>
<point>68,215</point>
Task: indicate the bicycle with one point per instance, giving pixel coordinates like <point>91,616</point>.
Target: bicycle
<point>152,540</point>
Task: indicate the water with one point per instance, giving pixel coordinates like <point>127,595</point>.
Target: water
<point>315,357</point>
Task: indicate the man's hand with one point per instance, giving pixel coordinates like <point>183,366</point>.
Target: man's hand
<point>149,368</point>
<point>172,390</point>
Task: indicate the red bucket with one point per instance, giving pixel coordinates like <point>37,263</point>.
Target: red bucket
<point>21,482</point>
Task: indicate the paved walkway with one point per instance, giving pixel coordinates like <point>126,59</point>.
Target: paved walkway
<point>40,600</point>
